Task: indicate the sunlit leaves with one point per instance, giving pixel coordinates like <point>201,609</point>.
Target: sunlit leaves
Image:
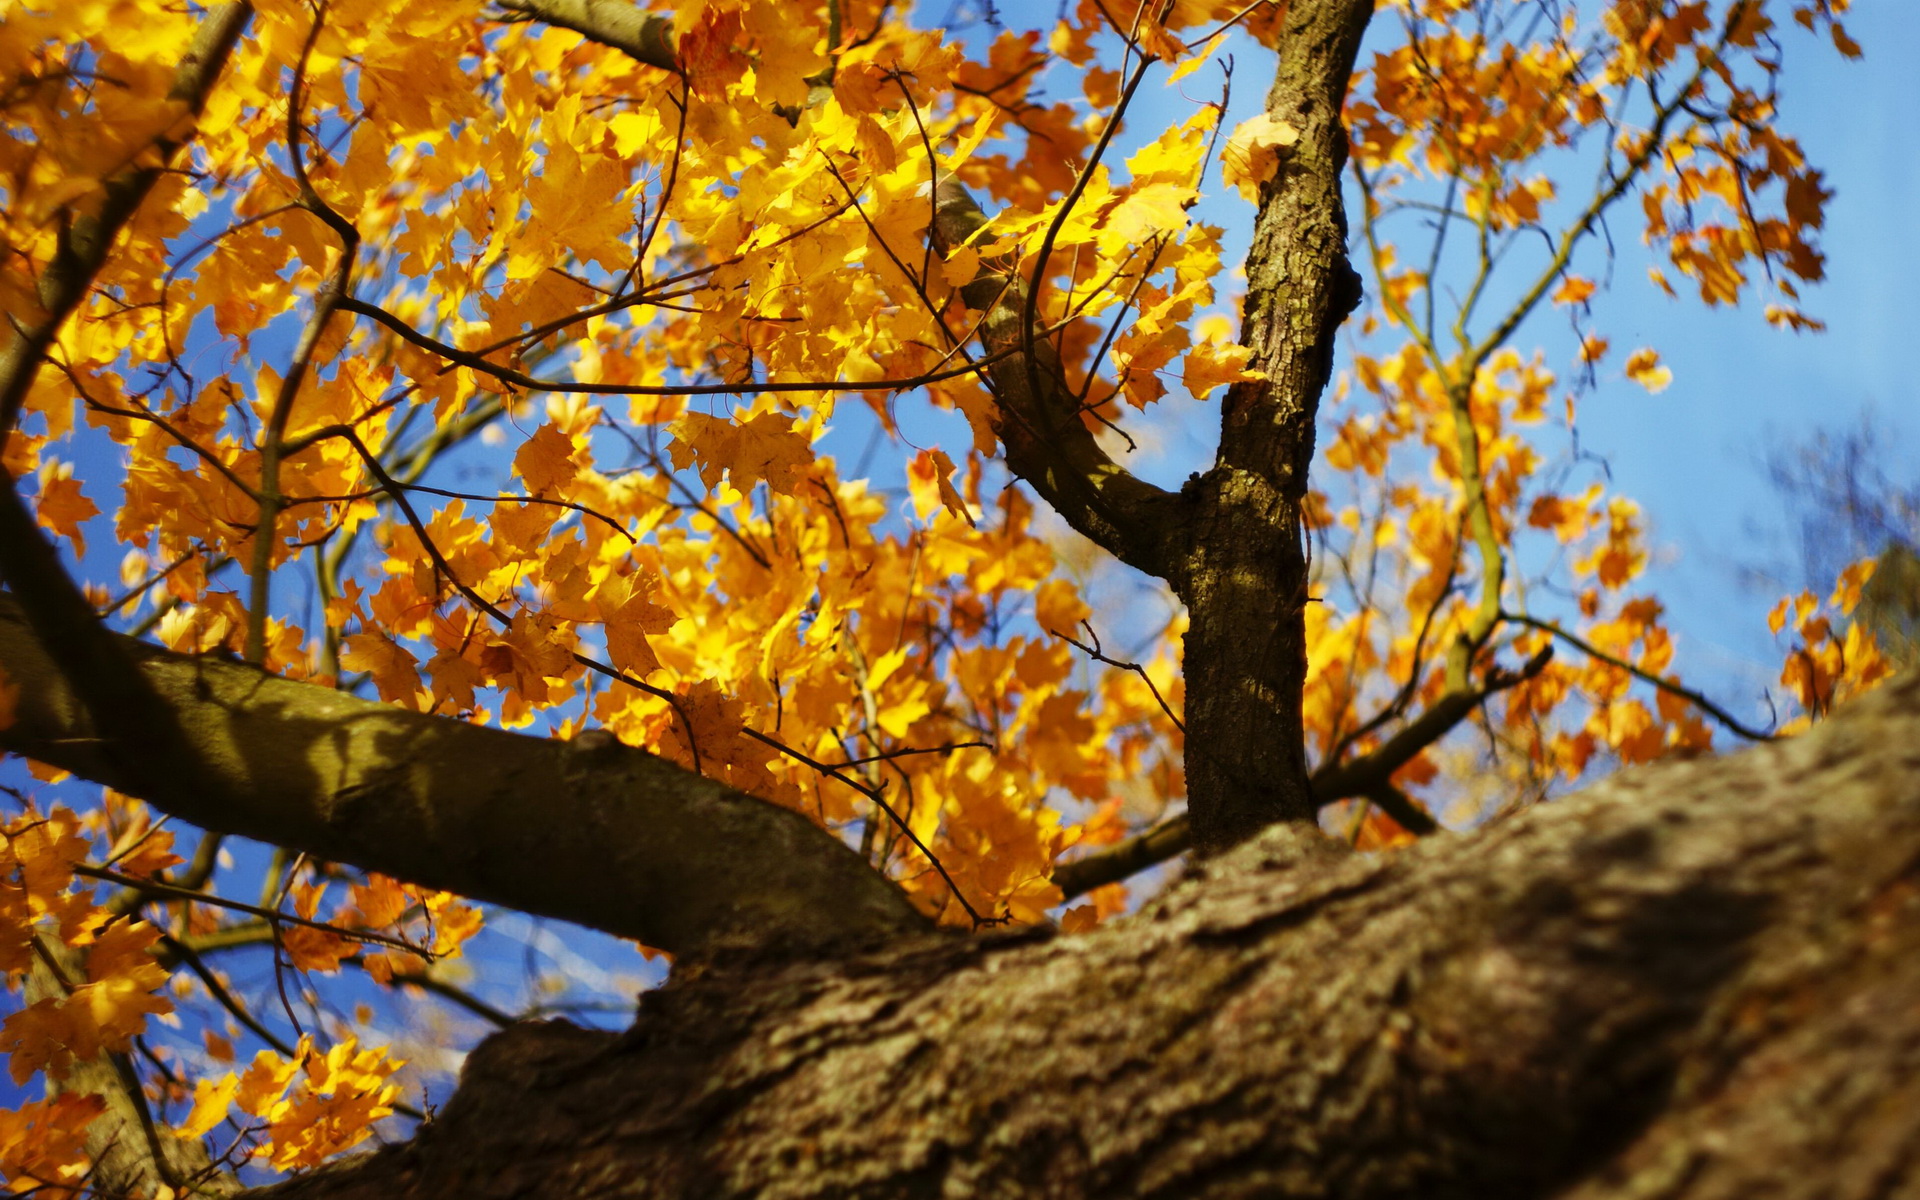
<point>309,1107</point>
<point>1644,368</point>
<point>43,1143</point>
<point>1253,153</point>
<point>764,448</point>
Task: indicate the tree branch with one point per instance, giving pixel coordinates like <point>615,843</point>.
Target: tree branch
<point>609,836</point>
<point>1243,574</point>
<point>1370,775</point>
<point>645,37</point>
<point>1039,420</point>
<point>1694,980</point>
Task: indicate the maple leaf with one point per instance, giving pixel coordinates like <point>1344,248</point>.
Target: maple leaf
<point>766,447</point>
<point>43,1143</point>
<point>61,507</point>
<point>1211,364</point>
<point>379,900</point>
<point>212,1099</point>
<point>929,479</point>
<point>1150,211</point>
<point>1253,152</point>
<point>546,461</point>
<point>576,209</point>
<point>1573,290</point>
<point>1644,368</point>
<point>391,665</point>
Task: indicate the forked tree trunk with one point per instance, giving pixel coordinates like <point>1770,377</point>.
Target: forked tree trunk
<point>1695,980</point>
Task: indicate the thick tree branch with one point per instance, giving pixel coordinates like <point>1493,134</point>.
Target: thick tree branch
<point>1694,981</point>
<point>1039,417</point>
<point>608,836</point>
<point>643,36</point>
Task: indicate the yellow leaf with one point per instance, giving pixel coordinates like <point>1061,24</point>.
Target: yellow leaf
<point>1253,153</point>
<point>1210,365</point>
<point>546,461</point>
<point>1643,367</point>
<point>61,507</point>
<point>1846,592</point>
<point>634,131</point>
<point>211,1100</point>
<point>262,1084</point>
<point>391,665</point>
<point>982,126</point>
<point>961,266</point>
<point>929,481</point>
<point>1194,62</point>
<point>1156,210</point>
<point>767,447</point>
<point>884,666</point>
<point>1573,290</point>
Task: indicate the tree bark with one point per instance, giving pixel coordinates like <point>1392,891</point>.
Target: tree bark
<point>1244,578</point>
<point>1700,979</point>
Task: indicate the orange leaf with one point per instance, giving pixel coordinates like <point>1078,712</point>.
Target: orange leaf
<point>1643,367</point>
<point>1253,153</point>
<point>546,461</point>
<point>61,507</point>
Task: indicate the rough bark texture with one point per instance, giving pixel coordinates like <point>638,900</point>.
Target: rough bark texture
<point>1696,980</point>
<point>593,832</point>
<point>1244,578</point>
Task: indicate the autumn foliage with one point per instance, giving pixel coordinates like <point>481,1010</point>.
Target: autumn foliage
<point>479,360</point>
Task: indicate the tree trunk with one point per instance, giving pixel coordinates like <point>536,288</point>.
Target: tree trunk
<point>1244,575</point>
<point>1700,979</point>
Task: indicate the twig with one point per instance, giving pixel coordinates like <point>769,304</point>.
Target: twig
<point>1673,689</point>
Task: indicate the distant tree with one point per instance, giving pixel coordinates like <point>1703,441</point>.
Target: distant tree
<point>1847,506</point>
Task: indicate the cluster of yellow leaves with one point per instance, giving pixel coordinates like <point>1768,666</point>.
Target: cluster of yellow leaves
<point>313,1105</point>
<point>43,1143</point>
<point>309,1107</point>
<point>83,1017</point>
<point>1415,534</point>
<point>1471,123</point>
<point>1824,665</point>
<point>45,926</point>
<point>1686,97</point>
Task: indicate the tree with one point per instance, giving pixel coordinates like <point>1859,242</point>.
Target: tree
<point>1849,508</point>
<point>295,259</point>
